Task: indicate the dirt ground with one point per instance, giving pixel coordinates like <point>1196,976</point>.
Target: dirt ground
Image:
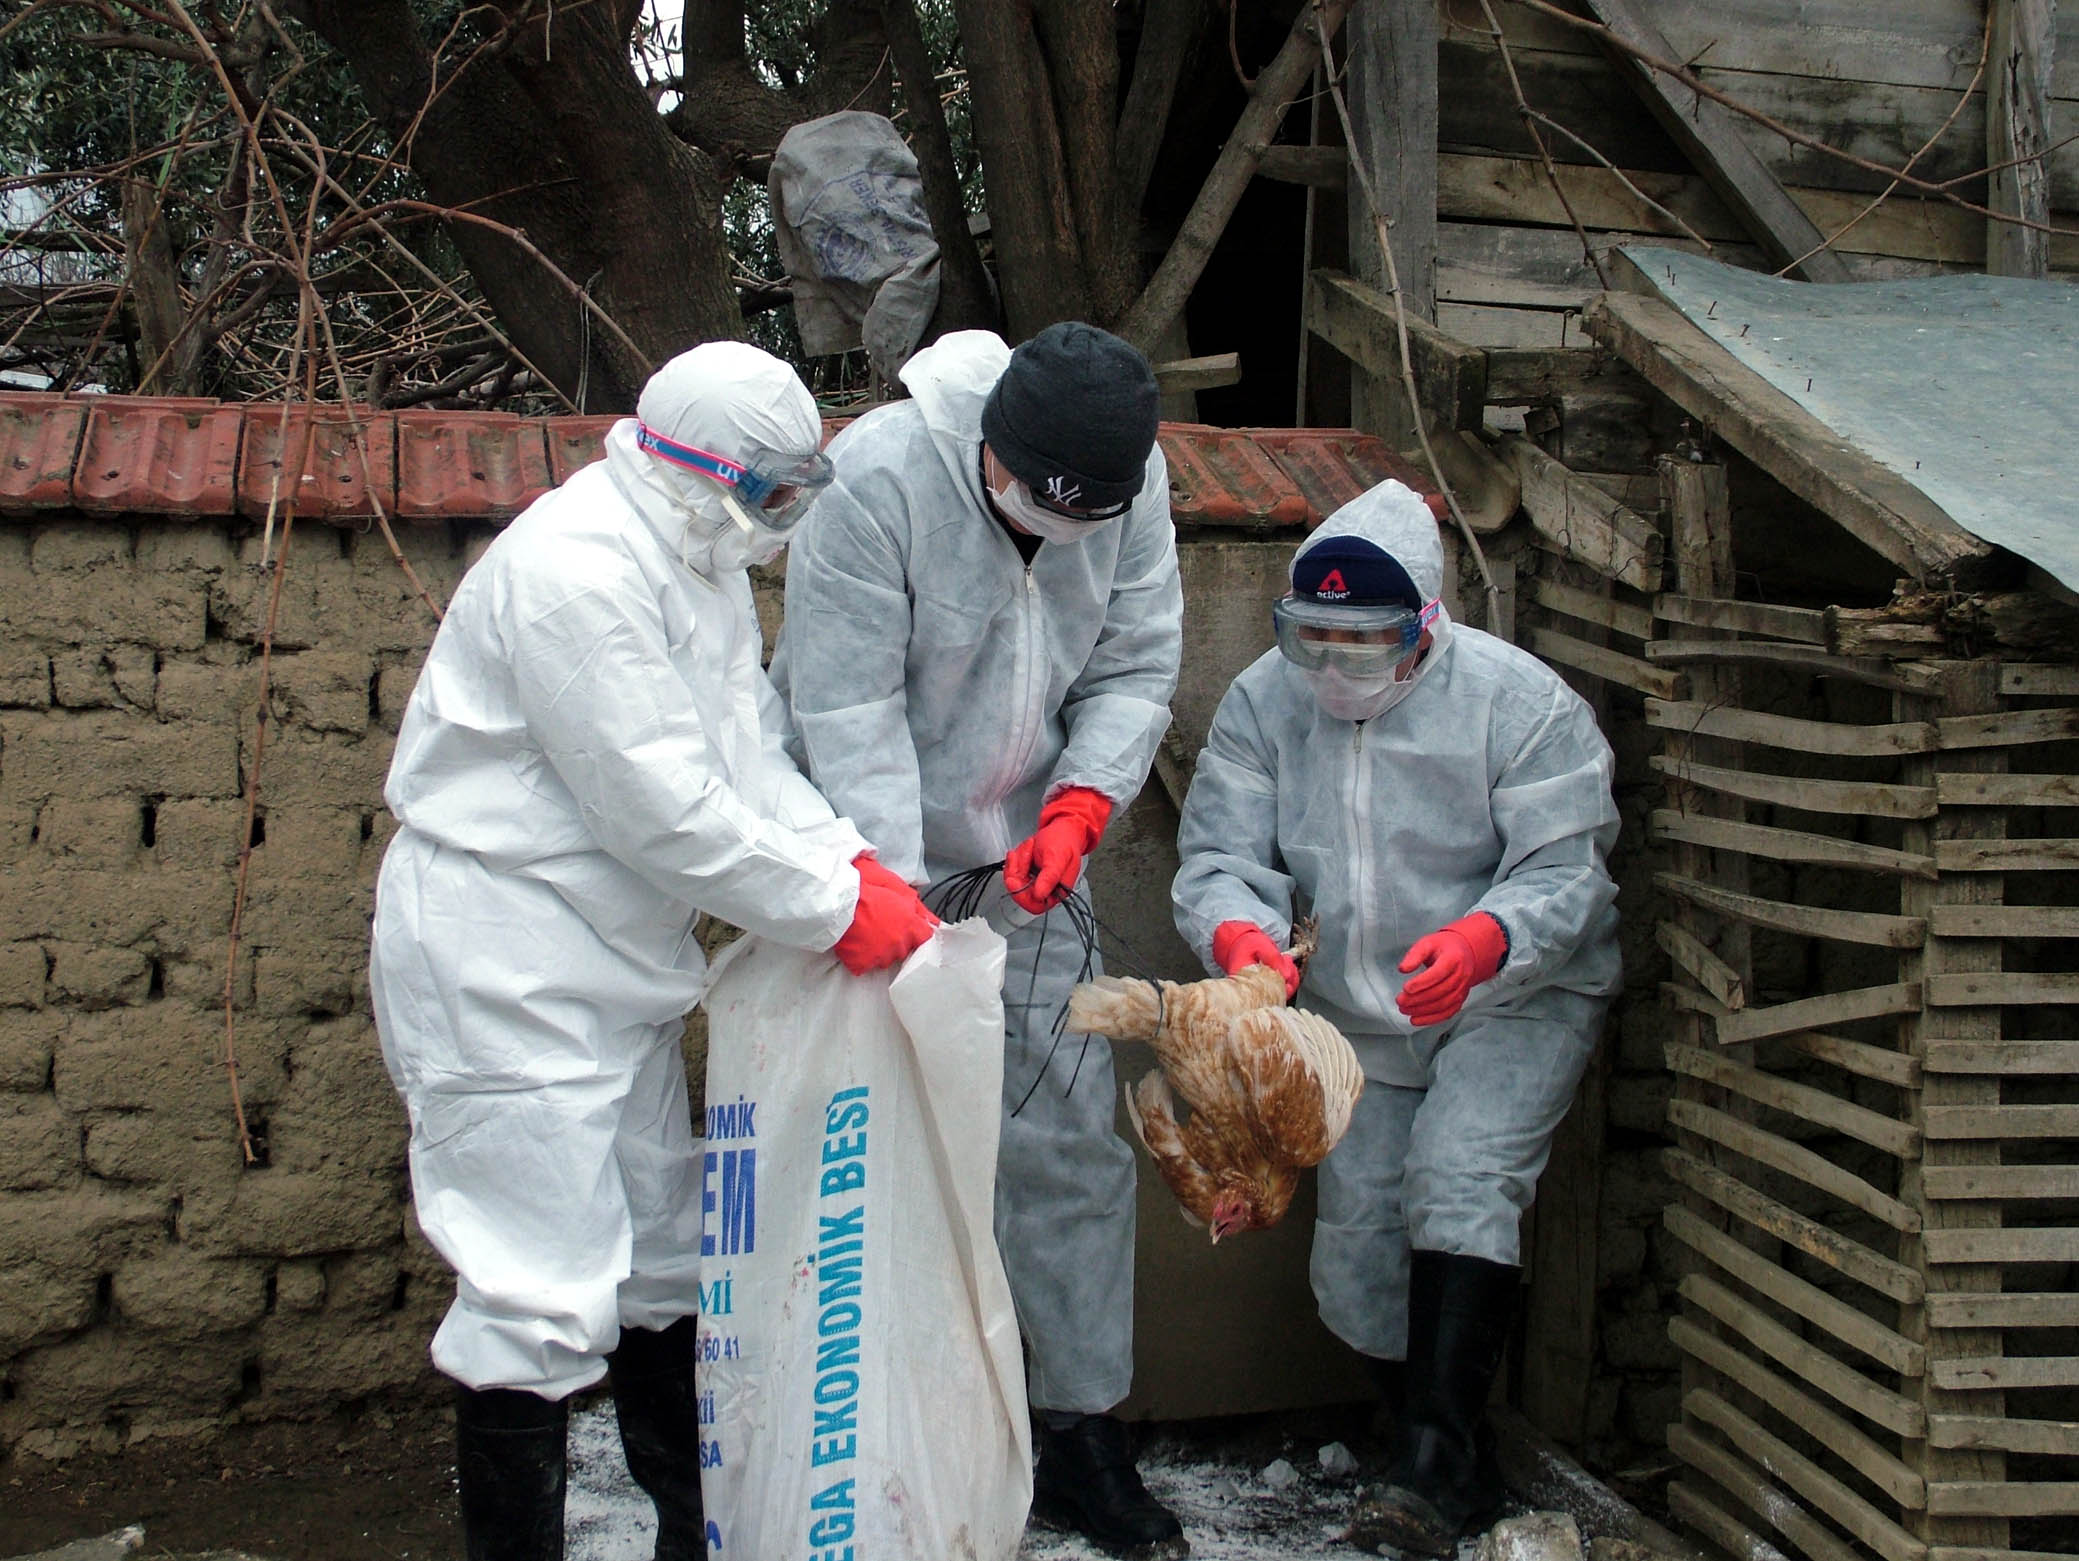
<point>375,1485</point>
<point>378,1486</point>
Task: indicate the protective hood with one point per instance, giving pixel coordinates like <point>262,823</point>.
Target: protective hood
<point>949,380</point>
<point>1394,519</point>
<point>726,397</point>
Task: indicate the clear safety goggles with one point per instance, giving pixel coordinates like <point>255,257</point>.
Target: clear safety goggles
<point>776,482</point>
<point>1359,640</point>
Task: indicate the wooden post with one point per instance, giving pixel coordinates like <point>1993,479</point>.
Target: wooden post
<point>2017,131</point>
<point>1699,511</point>
<point>1969,688</point>
<point>1392,75</point>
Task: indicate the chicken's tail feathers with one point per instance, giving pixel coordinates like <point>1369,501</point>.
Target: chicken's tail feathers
<point>1117,1006</point>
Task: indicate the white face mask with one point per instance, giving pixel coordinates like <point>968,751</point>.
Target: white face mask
<point>742,544</point>
<point>1017,505</point>
<point>1347,697</point>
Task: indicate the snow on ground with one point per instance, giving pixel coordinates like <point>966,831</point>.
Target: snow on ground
<point>1230,1510</point>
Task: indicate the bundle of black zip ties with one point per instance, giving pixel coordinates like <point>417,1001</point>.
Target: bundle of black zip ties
<point>958,896</point>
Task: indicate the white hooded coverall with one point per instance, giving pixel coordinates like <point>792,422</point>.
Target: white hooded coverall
<point>941,691</point>
<point>591,758</point>
<point>1486,787</point>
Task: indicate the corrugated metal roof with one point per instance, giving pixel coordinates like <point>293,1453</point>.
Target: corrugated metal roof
<point>191,456</point>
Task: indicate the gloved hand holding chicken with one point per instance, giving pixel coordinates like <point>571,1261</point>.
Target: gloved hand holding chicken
<point>1270,1089</point>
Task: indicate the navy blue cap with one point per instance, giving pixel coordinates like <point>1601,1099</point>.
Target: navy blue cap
<point>1351,572</point>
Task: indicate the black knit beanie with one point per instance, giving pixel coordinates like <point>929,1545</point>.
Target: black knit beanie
<point>1074,416</point>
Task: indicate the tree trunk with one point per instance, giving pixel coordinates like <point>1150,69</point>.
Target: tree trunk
<point>554,136</point>
<point>1039,261</point>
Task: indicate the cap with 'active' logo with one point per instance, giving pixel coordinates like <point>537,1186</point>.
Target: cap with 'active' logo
<point>1351,572</point>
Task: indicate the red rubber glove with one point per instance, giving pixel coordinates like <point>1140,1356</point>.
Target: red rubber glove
<point>1453,960</point>
<point>1040,871</point>
<point>889,923</point>
<point>1239,944</point>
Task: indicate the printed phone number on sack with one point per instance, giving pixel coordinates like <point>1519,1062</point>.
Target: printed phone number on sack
<point>840,1269</point>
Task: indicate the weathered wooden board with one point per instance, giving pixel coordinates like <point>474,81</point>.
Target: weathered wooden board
<point>1602,662</point>
<point>1964,1183</point>
<point>1876,1464</point>
<point>1858,1057</point>
<point>1764,1500</point>
<point>1852,1327</point>
<point>1811,1013</point>
<point>1358,321</point>
<point>1881,123</point>
<point>1783,731</point>
<point>1858,799</point>
<point>1802,625</point>
<point>2014,1436</point>
<point>1843,1384</point>
<point>1900,677</point>
<point>2003,1122</point>
<point>1696,959</point>
<point>2004,1309</point>
<point>1793,1160</point>
<point>2008,1244</point>
<point>2007,791</point>
<point>1802,1100</point>
<point>1786,845</point>
<point>1921,43</point>
<point>2009,729</point>
<point>2004,921</point>
<point>1984,988</point>
<point>1602,611</point>
<point>1719,1526</point>
<point>1518,332</point>
<point>1582,521</point>
<point>1947,1056</point>
<point>2007,1371</point>
<point>1878,506</point>
<point>1866,927</point>
<point>1719,142</point>
<point>1764,1213</point>
<point>1476,188</point>
<point>2003,1498</point>
<point>2006,856</point>
<point>2024,677</point>
<point>1810,1481</point>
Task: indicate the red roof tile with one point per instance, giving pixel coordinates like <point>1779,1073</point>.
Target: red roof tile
<point>575,442</point>
<point>1332,466</point>
<point>158,456</point>
<point>1218,477</point>
<point>459,465</point>
<point>336,476</point>
<point>173,456</point>
<point>39,436</point>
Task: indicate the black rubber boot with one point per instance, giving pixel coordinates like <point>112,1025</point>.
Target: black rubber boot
<point>1443,1482</point>
<point>1390,1414</point>
<point>1086,1484</point>
<point>659,1411</point>
<point>509,1470</point>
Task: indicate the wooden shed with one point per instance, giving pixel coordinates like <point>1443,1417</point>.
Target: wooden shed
<point>1857,721</point>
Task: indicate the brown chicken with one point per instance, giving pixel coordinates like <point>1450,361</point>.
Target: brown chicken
<point>1270,1088</point>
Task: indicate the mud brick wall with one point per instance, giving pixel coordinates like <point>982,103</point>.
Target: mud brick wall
<point>151,1282</point>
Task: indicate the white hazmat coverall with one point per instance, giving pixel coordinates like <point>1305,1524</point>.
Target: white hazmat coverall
<point>942,690</point>
<point>1486,787</point>
<point>591,758</point>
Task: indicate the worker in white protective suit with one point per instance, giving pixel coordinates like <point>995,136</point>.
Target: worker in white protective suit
<point>982,631</point>
<point>591,759</point>
<point>1440,800</point>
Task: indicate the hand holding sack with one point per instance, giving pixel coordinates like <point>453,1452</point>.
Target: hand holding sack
<point>890,923</point>
<point>1239,944</point>
<point>1452,961</point>
<point>1040,871</point>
